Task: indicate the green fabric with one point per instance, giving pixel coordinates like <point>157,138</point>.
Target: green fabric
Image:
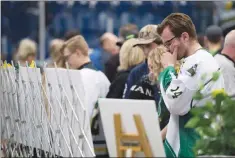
<point>213,53</point>
<point>168,150</point>
<point>188,137</point>
<point>165,79</point>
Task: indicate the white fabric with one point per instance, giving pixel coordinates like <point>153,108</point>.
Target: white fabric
<point>96,86</point>
<point>186,85</point>
<point>228,72</point>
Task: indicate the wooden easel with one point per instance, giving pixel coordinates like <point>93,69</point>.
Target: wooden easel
<point>141,138</point>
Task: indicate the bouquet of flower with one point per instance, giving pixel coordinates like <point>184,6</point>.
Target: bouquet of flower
<point>215,123</point>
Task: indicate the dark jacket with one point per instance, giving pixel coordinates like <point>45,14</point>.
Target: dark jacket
<point>134,76</point>
<point>111,67</point>
<point>145,90</point>
<point>118,85</point>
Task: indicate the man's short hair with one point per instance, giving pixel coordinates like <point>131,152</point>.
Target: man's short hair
<point>178,23</point>
<point>77,42</point>
<point>107,36</point>
<point>214,34</point>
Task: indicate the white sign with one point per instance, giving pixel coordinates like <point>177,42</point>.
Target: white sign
<point>127,108</point>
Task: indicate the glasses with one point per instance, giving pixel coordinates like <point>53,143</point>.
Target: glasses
<point>169,42</point>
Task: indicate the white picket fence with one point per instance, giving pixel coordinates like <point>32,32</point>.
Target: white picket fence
<point>43,115</point>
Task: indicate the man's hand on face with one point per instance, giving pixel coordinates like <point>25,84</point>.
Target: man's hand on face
<point>169,59</point>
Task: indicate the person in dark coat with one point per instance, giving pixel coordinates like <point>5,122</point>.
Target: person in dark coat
<point>130,56</point>
<point>126,32</point>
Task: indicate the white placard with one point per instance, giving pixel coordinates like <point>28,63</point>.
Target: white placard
<point>127,108</point>
<point>32,108</point>
<point>66,93</point>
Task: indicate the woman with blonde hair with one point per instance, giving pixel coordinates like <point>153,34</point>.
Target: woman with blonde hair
<point>55,50</point>
<point>130,56</point>
<point>154,63</point>
<point>156,74</point>
<point>27,51</point>
<point>148,85</point>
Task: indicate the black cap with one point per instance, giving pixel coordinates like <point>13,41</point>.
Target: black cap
<point>214,33</point>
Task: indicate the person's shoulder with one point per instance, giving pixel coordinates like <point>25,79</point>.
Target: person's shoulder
<point>139,67</point>
<point>218,57</point>
<point>122,74</point>
<point>95,75</point>
<point>203,55</point>
<point>224,61</point>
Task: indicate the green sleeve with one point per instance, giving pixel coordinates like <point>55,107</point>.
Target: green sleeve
<point>165,77</point>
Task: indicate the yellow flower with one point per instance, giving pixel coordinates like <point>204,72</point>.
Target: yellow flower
<point>218,92</point>
<point>9,65</point>
<point>177,68</point>
<point>5,64</point>
<point>32,65</point>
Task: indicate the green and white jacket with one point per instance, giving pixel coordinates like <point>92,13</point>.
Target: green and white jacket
<point>177,92</point>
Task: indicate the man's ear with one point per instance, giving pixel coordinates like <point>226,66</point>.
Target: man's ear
<point>185,36</point>
<point>78,52</point>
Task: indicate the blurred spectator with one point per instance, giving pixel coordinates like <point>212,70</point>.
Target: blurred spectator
<point>108,43</point>
<point>148,40</point>
<point>71,33</point>
<point>125,32</point>
<point>214,39</point>
<point>26,51</point>
<point>75,50</point>
<point>55,50</point>
<point>201,41</point>
<point>226,61</point>
<point>96,84</point>
<point>3,57</point>
<point>130,56</point>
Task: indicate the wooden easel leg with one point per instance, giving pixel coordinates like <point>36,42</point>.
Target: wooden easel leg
<point>143,138</point>
<point>118,133</point>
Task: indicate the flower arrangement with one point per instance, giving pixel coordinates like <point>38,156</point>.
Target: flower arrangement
<point>215,123</point>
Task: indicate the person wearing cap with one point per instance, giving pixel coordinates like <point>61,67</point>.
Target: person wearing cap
<point>126,32</point>
<point>226,61</point>
<point>214,39</point>
<point>179,37</point>
<point>148,40</point>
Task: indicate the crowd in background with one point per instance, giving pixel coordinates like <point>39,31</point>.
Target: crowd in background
<point>131,65</point>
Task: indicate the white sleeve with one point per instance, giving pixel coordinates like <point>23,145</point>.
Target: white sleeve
<point>179,94</point>
<point>103,85</point>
